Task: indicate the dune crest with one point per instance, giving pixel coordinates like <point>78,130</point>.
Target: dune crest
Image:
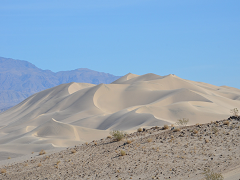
<point>78,112</point>
<point>74,87</point>
<point>125,78</point>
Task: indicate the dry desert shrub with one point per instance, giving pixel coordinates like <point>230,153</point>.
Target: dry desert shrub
<point>139,130</point>
<point>123,153</point>
<point>233,126</point>
<point>42,152</point>
<point>226,123</point>
<point>195,131</point>
<point>58,162</point>
<point>39,165</point>
<point>209,175</point>
<point>3,171</point>
<point>109,137</point>
<point>118,135</point>
<point>73,151</point>
<point>215,130</point>
<point>182,122</point>
<point>234,112</point>
<point>206,141</point>
<point>165,126</point>
<point>9,157</point>
<point>176,130</point>
<point>129,141</point>
<point>149,140</point>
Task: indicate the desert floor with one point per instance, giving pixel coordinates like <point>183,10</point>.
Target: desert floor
<point>151,154</point>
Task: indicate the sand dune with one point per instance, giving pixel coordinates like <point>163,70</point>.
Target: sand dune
<point>79,112</point>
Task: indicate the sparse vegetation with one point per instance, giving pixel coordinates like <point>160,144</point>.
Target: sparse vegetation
<point>73,151</point>
<point>42,152</point>
<point>182,122</point>
<point>234,112</point>
<point>176,130</point>
<point>118,135</point>
<point>209,175</point>
<point>3,171</point>
<point>39,165</point>
<point>139,130</point>
<point>233,126</point>
<point>123,153</point>
<point>149,140</point>
<point>165,126</point>
<point>226,123</point>
<point>195,131</point>
<point>215,130</point>
<point>129,141</point>
<point>9,157</point>
<point>109,137</point>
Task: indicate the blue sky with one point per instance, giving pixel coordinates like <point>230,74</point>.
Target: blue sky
<point>196,40</point>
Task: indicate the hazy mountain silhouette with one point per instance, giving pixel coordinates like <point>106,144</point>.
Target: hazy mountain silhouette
<point>20,79</point>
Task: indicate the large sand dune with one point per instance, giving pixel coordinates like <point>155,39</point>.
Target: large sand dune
<point>78,112</point>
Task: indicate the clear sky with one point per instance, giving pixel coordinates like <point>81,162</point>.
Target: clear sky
<point>194,39</point>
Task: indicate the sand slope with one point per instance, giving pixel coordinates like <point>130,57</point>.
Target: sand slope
<point>78,112</point>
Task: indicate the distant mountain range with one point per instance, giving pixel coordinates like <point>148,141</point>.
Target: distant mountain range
<point>20,79</point>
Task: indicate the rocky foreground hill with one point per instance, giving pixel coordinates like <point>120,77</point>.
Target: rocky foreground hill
<point>156,153</point>
<point>20,79</point>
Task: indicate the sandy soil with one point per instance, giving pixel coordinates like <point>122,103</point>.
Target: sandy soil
<point>151,154</point>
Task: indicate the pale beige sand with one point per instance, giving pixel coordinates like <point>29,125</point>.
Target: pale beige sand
<point>79,112</point>
<point>232,174</point>
<point>153,154</point>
